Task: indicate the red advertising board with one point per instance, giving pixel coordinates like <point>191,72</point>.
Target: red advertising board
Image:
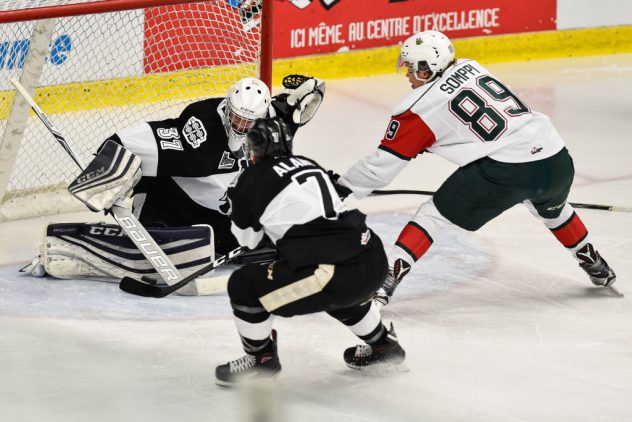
<point>183,37</point>
<point>305,27</point>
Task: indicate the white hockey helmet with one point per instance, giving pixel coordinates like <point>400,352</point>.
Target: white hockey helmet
<point>426,51</point>
<point>247,100</point>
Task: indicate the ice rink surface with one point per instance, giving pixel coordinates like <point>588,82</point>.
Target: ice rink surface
<point>498,325</point>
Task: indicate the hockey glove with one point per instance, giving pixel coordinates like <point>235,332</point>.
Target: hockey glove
<point>342,191</point>
<point>112,175</point>
<point>305,95</point>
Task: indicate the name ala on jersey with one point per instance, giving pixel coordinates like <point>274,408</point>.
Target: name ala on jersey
<point>295,163</point>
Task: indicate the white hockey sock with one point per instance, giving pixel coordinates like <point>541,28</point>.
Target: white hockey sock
<point>369,328</point>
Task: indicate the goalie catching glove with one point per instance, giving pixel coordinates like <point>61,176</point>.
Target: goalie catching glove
<point>111,176</point>
<point>304,94</point>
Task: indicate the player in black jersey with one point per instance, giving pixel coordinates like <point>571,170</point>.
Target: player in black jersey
<point>329,260</point>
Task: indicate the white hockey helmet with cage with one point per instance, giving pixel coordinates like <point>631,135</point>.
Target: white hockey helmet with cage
<point>247,100</point>
<point>429,51</point>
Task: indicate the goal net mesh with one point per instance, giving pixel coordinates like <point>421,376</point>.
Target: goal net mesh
<point>106,71</point>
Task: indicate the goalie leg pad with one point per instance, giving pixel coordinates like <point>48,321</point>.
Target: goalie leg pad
<point>104,252</point>
<point>110,176</point>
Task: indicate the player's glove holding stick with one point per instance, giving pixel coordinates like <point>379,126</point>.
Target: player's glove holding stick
<point>342,191</point>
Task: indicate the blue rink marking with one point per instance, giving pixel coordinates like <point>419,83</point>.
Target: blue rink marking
<point>456,257</point>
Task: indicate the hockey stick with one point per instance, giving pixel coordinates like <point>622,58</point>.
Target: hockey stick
<point>123,215</point>
<point>573,204</point>
<point>402,192</point>
<point>140,288</point>
<point>205,286</point>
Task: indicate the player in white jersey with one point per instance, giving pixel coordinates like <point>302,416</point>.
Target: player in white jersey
<point>507,154</point>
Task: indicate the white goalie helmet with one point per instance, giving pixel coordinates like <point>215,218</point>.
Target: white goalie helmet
<point>426,51</point>
<point>247,100</point>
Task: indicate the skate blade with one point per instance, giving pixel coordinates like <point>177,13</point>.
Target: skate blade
<point>248,381</point>
<point>616,290</point>
<point>381,367</point>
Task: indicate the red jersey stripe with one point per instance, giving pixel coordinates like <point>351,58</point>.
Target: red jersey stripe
<point>408,135</point>
<point>572,232</point>
<point>414,240</point>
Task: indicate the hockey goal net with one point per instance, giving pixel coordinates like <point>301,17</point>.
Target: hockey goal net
<point>98,66</point>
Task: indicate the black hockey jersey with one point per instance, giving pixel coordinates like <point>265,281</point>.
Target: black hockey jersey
<point>191,150</point>
<point>293,202</point>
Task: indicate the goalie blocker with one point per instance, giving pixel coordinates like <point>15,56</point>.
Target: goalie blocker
<point>110,176</point>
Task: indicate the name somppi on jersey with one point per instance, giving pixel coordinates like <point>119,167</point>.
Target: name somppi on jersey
<point>457,78</point>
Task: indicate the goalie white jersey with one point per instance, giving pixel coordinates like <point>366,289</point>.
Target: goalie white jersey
<point>462,116</point>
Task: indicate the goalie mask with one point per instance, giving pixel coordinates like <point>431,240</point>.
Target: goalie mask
<point>269,138</point>
<point>247,100</point>
<point>429,51</point>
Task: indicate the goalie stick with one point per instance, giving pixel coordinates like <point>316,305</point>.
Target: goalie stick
<point>573,204</point>
<point>141,288</point>
<point>204,286</point>
<point>123,215</point>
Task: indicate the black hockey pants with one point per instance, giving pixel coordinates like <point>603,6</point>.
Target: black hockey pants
<point>343,290</point>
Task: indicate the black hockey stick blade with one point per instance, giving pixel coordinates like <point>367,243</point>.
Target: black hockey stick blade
<point>141,288</point>
<point>402,192</point>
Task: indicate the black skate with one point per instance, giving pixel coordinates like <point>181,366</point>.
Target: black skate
<point>386,351</point>
<point>595,266</point>
<point>250,367</point>
<point>393,278</point>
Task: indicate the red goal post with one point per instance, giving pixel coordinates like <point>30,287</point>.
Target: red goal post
<point>98,66</point>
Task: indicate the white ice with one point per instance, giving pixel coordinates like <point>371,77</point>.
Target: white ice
<point>498,325</point>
